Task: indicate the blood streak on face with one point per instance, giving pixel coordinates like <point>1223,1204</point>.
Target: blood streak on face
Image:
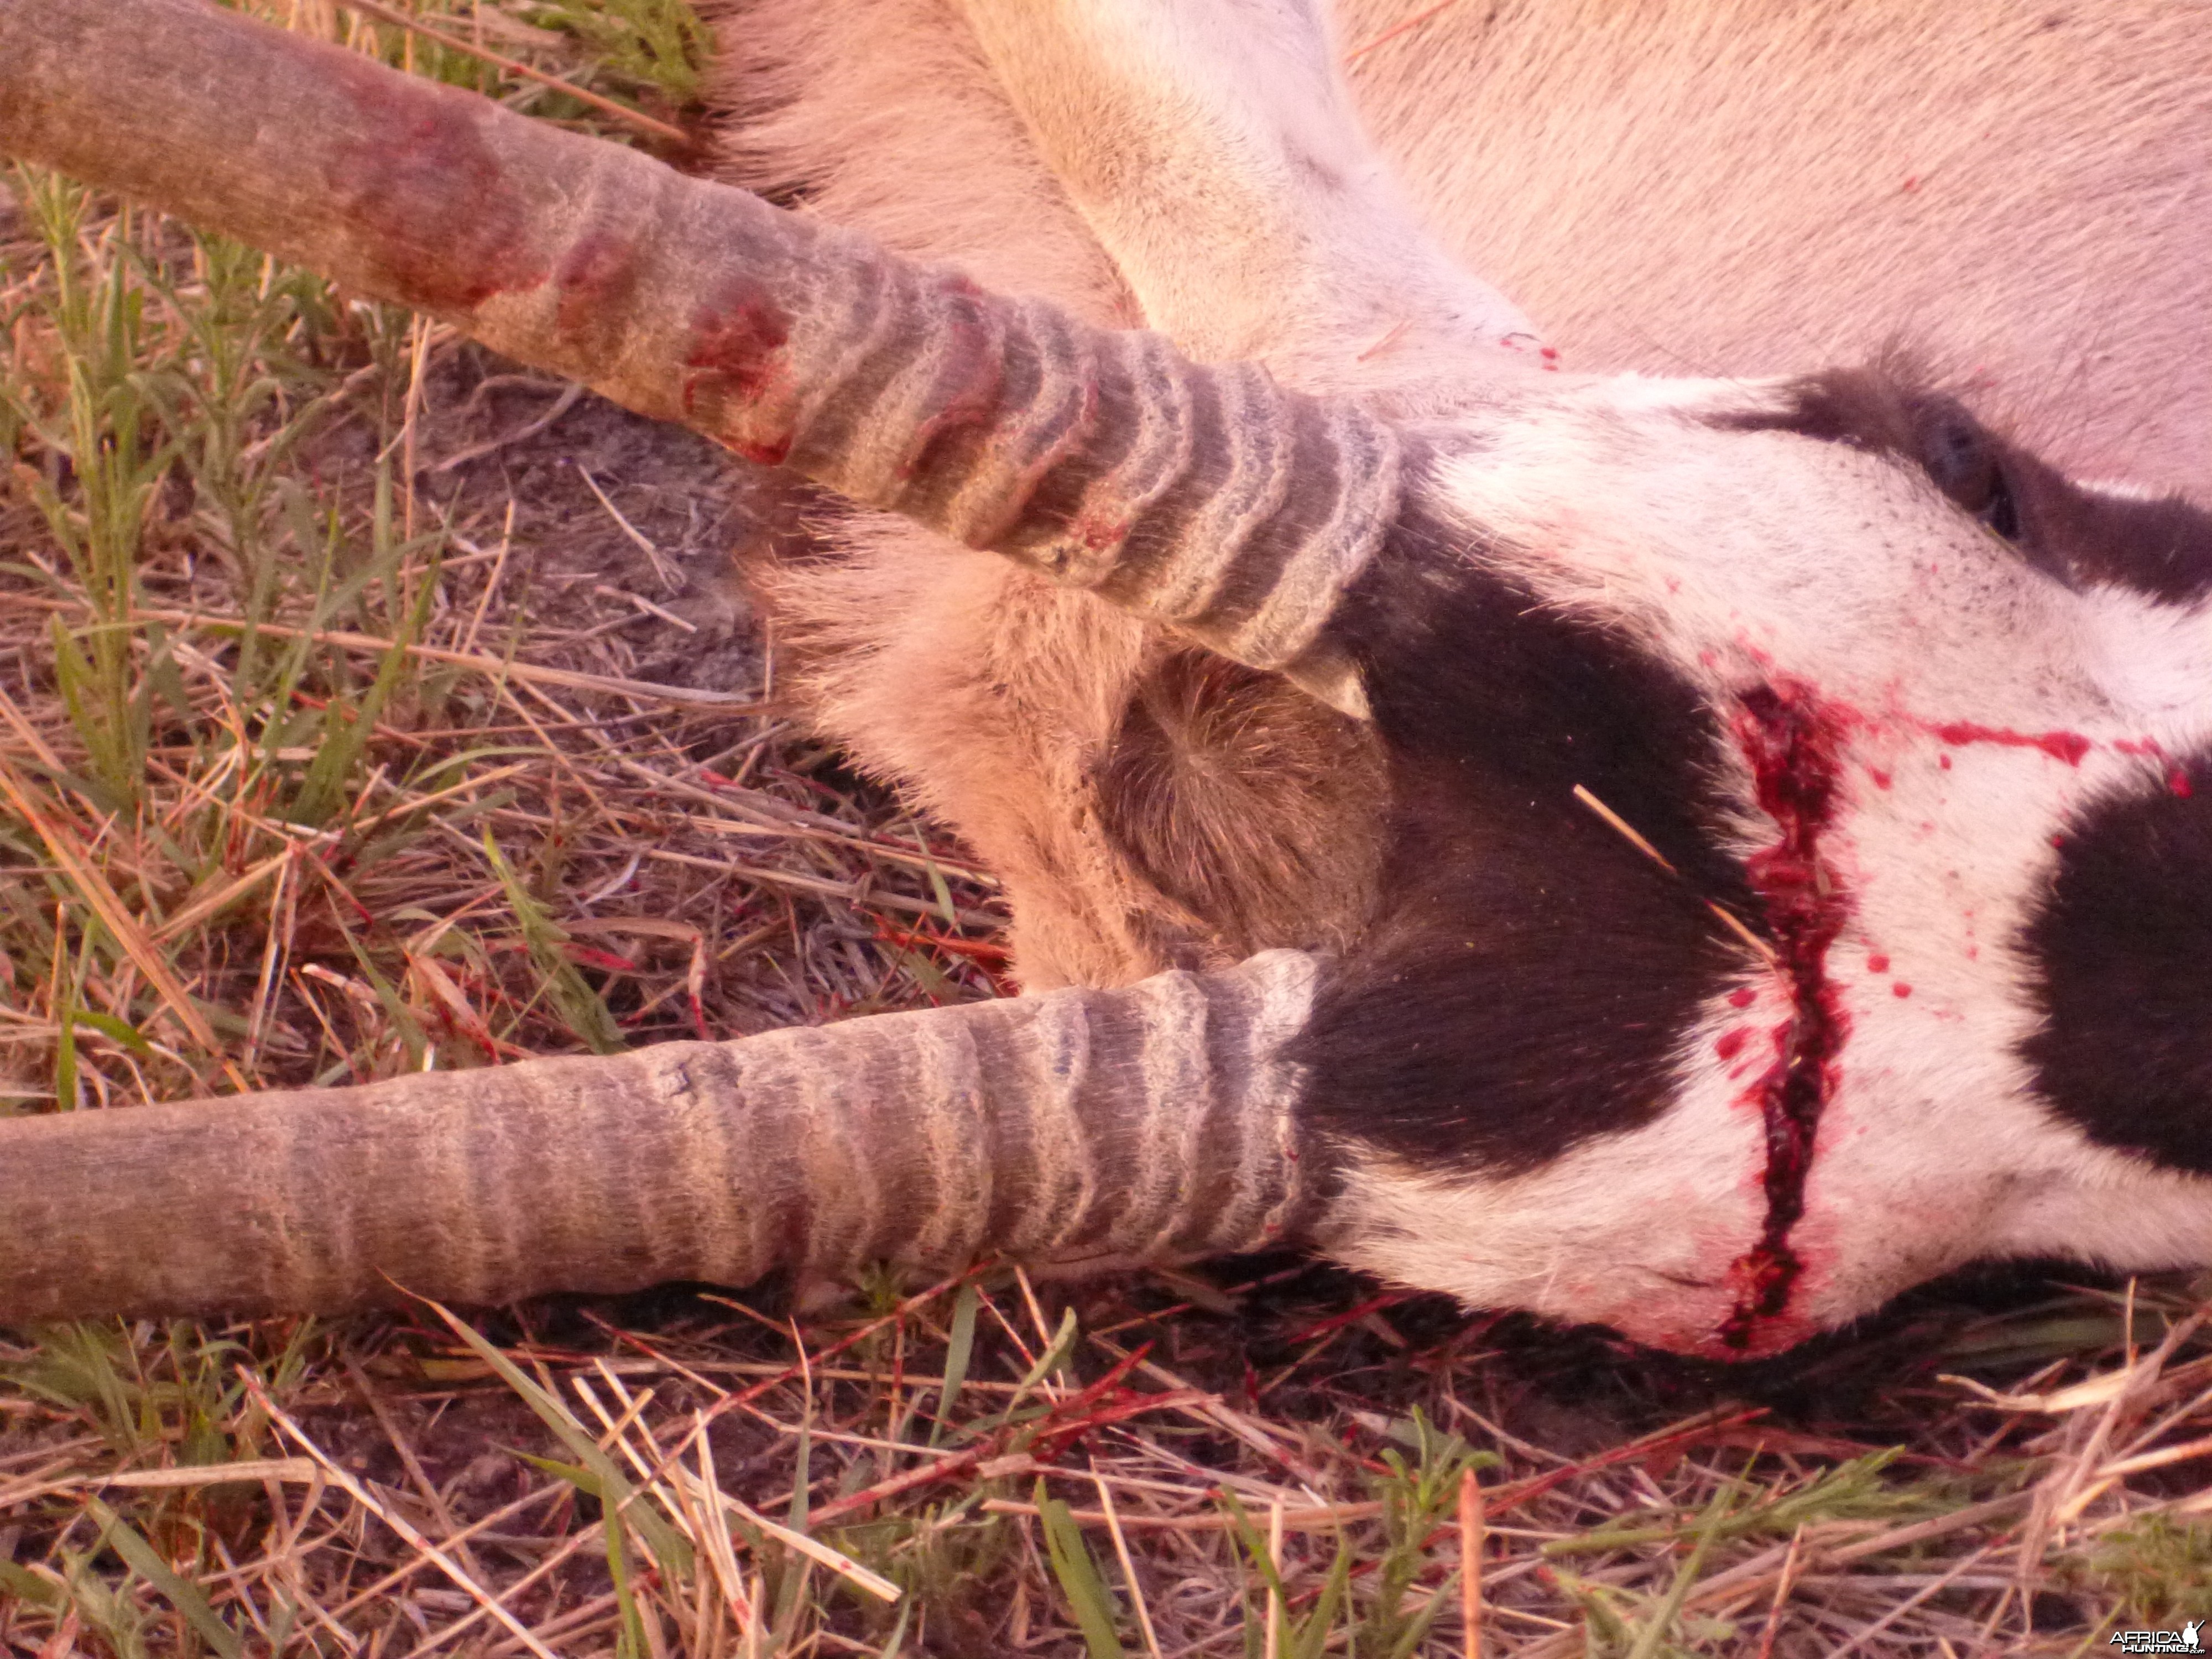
<point>2068,746</point>
<point>1793,743</point>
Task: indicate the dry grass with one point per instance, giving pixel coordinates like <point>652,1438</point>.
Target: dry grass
<point>365,706</point>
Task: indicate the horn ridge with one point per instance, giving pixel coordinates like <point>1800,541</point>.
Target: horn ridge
<point>1204,496</point>
<point>1155,1121</point>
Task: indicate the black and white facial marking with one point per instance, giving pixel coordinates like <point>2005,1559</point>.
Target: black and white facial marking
<point>1916,728</point>
<point>2158,545</point>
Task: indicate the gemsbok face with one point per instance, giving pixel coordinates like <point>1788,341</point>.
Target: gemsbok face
<point>1787,902</point>
<point>1698,855</point>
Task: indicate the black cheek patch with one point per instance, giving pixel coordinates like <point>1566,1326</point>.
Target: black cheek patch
<point>2123,945</point>
<point>1531,976</point>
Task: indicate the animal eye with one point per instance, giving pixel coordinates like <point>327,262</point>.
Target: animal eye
<point>1965,466</point>
<point>2001,513</point>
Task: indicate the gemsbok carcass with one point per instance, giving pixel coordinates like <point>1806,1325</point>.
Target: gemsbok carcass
<point>1700,854</point>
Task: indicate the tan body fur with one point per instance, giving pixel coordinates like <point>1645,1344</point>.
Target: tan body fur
<point>2017,193</point>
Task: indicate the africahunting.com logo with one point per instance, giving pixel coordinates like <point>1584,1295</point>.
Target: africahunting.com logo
<point>2187,1639</point>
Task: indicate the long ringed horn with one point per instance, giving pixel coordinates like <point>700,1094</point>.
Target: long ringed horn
<point>1145,1124</point>
<point>1208,497</point>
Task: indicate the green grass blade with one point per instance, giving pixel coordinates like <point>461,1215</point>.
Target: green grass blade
<point>65,1057</point>
<point>572,996</point>
<point>347,729</point>
<point>27,1586</point>
<point>122,1030</point>
<point>631,1643</point>
<point>1072,1564</point>
<point>1312,1636</point>
<point>128,1542</point>
<point>669,1547</point>
<point>1670,1608</point>
<point>959,1350</point>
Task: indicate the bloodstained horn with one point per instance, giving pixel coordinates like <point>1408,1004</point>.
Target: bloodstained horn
<point>1208,497</point>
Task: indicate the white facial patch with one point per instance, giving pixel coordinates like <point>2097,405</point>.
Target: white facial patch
<point>1916,715</point>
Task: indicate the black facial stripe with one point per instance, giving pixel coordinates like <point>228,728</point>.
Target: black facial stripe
<point>2160,548</point>
<point>2123,944</point>
<point>1532,975</point>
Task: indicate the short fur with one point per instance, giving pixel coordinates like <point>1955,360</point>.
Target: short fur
<point>1529,972</point>
<point>2155,542</point>
<point>2123,937</point>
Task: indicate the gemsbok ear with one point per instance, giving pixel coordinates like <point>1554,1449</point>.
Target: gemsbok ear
<point>1269,231</point>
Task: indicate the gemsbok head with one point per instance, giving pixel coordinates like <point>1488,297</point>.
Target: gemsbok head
<point>1697,854</point>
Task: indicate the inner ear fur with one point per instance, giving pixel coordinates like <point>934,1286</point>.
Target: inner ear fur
<point>1244,802</point>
